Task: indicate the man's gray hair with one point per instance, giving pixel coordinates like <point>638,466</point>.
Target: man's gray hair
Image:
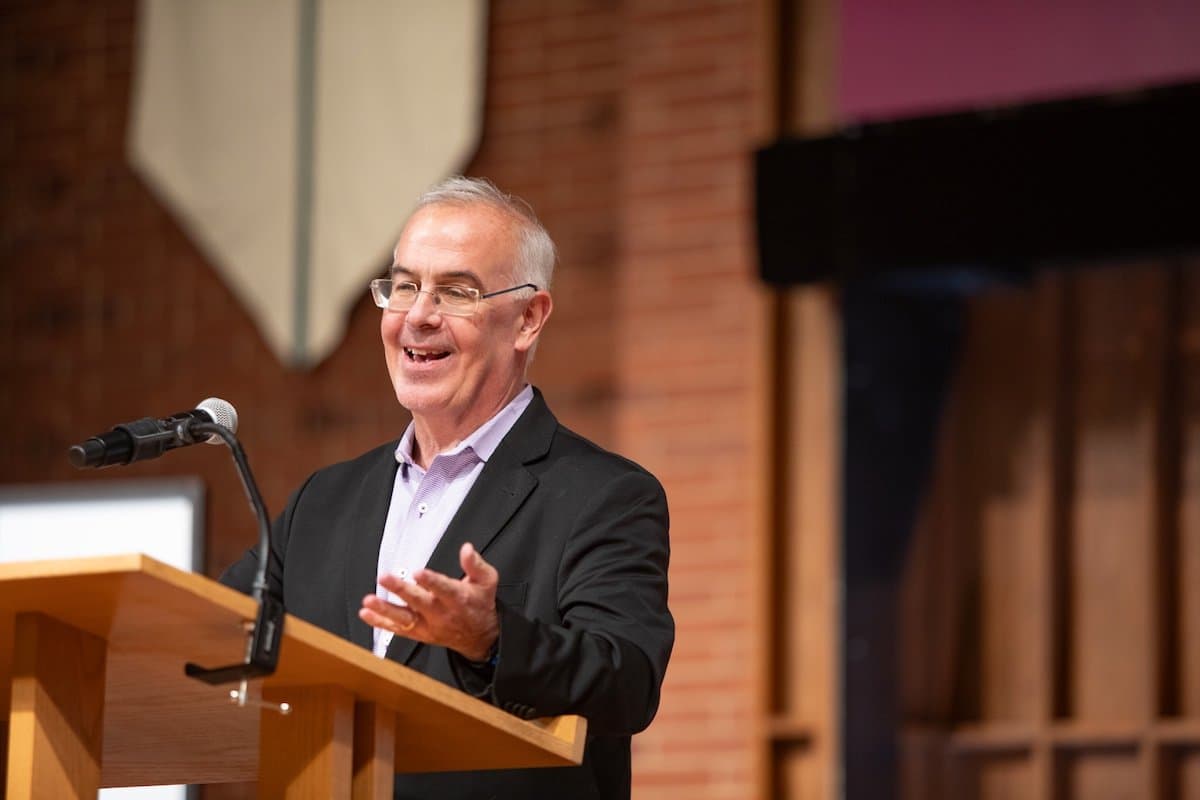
<point>536,252</point>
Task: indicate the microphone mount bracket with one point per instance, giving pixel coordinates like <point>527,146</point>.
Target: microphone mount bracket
<point>149,438</point>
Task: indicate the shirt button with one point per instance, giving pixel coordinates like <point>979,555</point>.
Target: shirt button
<point>422,508</point>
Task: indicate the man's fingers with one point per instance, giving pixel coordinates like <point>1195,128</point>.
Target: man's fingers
<point>437,583</point>
<point>378,613</point>
<point>416,595</point>
<point>475,567</point>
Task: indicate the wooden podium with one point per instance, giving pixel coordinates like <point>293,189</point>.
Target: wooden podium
<point>93,688</point>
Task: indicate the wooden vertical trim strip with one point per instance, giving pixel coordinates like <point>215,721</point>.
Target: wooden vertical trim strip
<point>1062,525</point>
<point>771,525</point>
<point>1163,605</point>
<point>815,524</point>
<point>309,752</point>
<point>1058,312</point>
<point>1169,428</point>
<point>57,718</point>
<point>811,104</point>
<point>374,752</point>
<point>796,68</point>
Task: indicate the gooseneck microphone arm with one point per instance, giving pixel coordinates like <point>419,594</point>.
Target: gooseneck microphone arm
<point>252,494</point>
<point>262,647</point>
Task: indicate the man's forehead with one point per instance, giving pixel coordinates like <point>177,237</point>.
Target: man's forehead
<point>448,275</point>
<point>447,219</point>
<point>479,236</point>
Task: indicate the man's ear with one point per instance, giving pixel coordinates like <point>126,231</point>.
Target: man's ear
<point>533,318</point>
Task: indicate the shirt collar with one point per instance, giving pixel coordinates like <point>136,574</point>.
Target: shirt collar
<point>484,440</point>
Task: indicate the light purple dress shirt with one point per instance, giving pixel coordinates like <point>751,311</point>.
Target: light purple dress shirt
<point>424,502</point>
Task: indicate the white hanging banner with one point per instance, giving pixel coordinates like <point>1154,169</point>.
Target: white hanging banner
<point>291,137</point>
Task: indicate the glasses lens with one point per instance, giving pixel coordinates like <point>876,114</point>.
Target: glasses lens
<point>403,295</point>
<point>456,299</point>
<point>392,295</point>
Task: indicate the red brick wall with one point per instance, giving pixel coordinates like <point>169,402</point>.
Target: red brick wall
<point>689,351</point>
<point>627,125</point>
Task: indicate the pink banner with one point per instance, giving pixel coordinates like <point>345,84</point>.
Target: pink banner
<point>936,56</point>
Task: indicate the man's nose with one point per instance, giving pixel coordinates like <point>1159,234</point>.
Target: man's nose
<point>424,309</point>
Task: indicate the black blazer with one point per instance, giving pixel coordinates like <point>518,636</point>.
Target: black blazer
<point>579,537</point>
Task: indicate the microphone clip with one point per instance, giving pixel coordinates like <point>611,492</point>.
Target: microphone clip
<point>262,648</point>
<point>150,438</point>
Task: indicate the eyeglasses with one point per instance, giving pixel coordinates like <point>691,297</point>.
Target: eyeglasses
<point>452,299</point>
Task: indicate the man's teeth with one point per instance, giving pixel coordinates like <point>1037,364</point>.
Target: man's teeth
<point>424,355</point>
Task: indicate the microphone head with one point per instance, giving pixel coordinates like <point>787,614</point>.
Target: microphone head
<point>222,412</point>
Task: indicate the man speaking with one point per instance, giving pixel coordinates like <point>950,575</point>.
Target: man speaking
<point>490,547</point>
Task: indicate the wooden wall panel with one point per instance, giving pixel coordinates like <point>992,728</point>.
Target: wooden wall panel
<point>796,773</point>
<point>1184,774</point>
<point>984,538</point>
<point>1006,444</point>
<point>1187,562</point>
<point>1119,347</point>
<point>1062,532</point>
<point>1188,565</point>
<point>923,762</point>
<point>929,627</point>
<point>999,777</point>
<point>1100,775</point>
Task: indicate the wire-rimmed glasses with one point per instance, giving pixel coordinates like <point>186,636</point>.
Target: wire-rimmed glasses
<point>452,299</point>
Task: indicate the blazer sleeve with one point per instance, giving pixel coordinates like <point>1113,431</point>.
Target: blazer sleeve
<point>607,659</point>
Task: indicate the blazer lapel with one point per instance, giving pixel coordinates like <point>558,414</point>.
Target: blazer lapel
<point>365,535</point>
<point>501,488</point>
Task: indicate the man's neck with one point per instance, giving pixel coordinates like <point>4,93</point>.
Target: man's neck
<point>433,435</point>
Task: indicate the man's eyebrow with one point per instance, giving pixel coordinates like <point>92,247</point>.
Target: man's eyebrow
<point>442,278</point>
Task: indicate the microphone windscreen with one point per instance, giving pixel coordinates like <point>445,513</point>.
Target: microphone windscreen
<point>222,412</point>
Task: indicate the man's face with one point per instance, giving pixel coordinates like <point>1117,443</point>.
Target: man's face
<point>456,372</point>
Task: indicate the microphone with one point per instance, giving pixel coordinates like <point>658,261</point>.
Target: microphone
<point>150,438</point>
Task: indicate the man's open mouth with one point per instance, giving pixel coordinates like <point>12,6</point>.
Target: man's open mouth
<point>421,356</point>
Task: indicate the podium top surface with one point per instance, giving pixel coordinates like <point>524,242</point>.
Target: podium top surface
<point>162,727</point>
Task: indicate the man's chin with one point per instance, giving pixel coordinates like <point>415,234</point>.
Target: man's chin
<point>421,398</point>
